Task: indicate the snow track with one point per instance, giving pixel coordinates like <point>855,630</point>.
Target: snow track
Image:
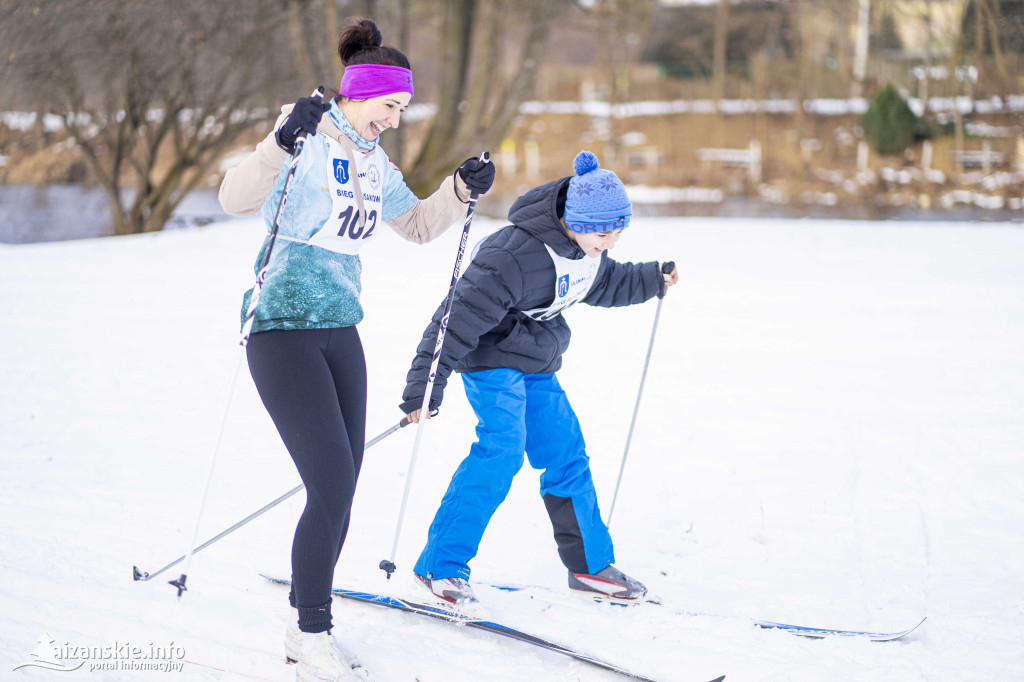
<point>830,433</point>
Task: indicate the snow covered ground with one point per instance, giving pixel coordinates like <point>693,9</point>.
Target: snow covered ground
<point>831,433</point>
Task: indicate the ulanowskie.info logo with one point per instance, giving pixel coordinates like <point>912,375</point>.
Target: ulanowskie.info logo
<point>116,656</point>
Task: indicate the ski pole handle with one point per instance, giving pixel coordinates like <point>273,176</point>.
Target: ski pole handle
<point>473,196</point>
<point>667,267</point>
<point>300,138</point>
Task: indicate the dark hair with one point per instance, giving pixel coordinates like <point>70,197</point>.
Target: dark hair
<point>362,43</point>
<point>563,196</point>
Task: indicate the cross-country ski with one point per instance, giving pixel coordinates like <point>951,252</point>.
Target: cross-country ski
<point>473,622</point>
<point>802,630</point>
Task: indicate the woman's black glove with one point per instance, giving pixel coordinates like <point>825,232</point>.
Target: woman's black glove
<point>478,175</point>
<point>304,118</point>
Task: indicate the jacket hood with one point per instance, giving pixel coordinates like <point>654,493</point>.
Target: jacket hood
<point>536,212</point>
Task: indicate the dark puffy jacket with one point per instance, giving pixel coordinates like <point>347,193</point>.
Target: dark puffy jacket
<point>512,271</point>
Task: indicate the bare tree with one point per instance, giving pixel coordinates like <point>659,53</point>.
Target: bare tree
<point>313,28</point>
<point>795,14</point>
<point>152,92</point>
<point>956,39</point>
<point>718,59</point>
<point>478,98</point>
<point>479,94</point>
<point>619,25</point>
<point>297,11</point>
<point>333,29</point>
<point>863,44</point>
<point>986,21</point>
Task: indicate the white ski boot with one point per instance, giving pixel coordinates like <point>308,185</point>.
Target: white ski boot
<point>321,657</point>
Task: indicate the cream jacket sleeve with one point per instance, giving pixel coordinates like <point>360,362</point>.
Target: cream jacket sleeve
<point>246,186</point>
<point>430,217</point>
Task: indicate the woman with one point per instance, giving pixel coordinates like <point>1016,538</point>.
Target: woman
<point>304,353</point>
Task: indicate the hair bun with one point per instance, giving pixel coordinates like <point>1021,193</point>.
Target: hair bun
<point>361,35</point>
<point>370,34</point>
<point>585,162</point>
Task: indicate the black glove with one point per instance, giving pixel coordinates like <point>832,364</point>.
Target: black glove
<point>416,402</point>
<point>478,175</point>
<point>304,118</point>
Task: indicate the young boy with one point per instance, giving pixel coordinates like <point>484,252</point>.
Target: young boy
<point>506,335</point>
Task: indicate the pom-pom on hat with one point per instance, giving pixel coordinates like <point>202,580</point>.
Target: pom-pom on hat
<point>596,200</point>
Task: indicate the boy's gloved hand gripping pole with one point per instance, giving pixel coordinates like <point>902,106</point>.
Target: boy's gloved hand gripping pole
<point>665,269</point>
<point>388,565</point>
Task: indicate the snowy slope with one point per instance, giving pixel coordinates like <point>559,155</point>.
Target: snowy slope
<point>831,434</point>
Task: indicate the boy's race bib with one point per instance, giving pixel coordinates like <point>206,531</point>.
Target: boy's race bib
<point>573,280</point>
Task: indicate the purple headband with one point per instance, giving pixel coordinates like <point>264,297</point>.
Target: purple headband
<point>363,81</point>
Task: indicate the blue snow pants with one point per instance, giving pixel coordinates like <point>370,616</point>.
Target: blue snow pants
<point>518,413</point>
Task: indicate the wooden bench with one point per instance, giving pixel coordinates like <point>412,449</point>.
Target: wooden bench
<point>749,158</point>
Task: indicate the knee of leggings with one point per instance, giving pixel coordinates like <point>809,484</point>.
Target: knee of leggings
<point>333,504</point>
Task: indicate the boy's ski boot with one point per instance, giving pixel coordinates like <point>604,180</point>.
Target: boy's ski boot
<point>609,582</point>
<point>456,591</point>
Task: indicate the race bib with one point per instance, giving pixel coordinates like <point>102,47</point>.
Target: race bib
<point>351,225</point>
<point>573,281</point>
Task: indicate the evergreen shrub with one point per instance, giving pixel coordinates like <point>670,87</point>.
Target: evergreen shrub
<point>889,124</point>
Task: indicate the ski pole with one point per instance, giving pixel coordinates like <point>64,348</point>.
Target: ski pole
<point>250,315</point>
<point>665,268</point>
<point>142,575</point>
<point>388,565</point>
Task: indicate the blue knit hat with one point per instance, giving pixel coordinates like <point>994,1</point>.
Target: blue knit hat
<point>596,201</point>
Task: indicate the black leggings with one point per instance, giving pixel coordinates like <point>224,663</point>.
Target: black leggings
<point>313,384</point>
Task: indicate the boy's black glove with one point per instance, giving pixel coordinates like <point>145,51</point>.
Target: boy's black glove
<point>415,403</point>
<point>478,175</point>
<point>304,117</point>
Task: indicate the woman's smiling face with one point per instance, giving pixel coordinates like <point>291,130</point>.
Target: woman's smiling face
<point>371,117</point>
